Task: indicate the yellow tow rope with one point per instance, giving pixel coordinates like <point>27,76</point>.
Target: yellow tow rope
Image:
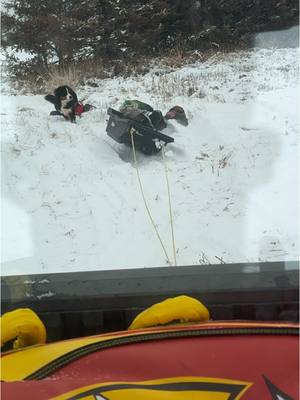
<point>132,131</point>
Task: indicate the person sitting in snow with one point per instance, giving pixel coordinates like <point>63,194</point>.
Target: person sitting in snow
<point>136,117</point>
<point>137,109</point>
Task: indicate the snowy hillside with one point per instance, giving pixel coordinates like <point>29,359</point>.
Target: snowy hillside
<point>70,194</point>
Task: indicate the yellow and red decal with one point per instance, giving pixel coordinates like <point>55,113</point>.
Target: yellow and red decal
<point>180,388</point>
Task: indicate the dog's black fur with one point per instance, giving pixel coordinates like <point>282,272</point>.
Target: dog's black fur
<point>64,101</point>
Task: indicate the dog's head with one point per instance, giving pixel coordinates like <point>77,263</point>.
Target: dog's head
<point>65,94</point>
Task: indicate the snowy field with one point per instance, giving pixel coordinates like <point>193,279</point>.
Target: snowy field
<point>70,194</point>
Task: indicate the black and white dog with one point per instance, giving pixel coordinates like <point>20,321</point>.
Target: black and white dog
<point>65,101</point>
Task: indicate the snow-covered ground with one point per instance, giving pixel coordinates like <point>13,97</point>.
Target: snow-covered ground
<point>70,194</point>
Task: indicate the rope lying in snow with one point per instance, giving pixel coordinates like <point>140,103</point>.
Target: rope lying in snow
<point>145,202</point>
<point>170,207</point>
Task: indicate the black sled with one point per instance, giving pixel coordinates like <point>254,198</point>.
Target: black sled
<point>146,138</point>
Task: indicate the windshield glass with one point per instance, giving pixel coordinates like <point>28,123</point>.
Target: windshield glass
<point>195,163</point>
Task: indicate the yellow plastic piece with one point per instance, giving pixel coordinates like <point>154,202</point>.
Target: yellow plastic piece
<point>24,325</point>
<point>180,308</point>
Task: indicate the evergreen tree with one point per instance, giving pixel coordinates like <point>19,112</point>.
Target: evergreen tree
<point>65,32</point>
<point>53,31</point>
